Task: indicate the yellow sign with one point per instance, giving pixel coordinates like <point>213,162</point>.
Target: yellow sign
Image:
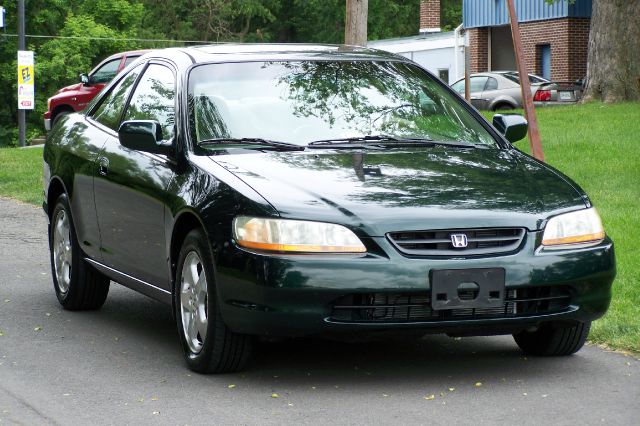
<point>26,80</point>
<point>25,74</point>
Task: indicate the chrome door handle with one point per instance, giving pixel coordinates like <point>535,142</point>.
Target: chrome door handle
<point>103,165</point>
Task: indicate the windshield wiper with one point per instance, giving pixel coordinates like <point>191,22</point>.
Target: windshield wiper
<point>248,142</point>
<point>342,141</point>
<point>387,140</point>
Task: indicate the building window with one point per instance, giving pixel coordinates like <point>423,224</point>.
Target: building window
<point>444,75</point>
<point>543,54</point>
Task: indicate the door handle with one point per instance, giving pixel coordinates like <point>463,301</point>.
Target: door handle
<point>103,165</point>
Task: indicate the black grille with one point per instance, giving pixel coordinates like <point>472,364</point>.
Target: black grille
<point>482,241</point>
<point>385,308</point>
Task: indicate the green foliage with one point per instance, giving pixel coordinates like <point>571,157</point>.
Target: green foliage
<point>450,14</point>
<point>60,60</point>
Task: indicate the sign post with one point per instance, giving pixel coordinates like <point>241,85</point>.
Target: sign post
<point>26,86</point>
<point>2,17</point>
<point>527,98</point>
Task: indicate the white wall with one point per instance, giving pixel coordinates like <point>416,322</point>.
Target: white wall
<point>433,55</point>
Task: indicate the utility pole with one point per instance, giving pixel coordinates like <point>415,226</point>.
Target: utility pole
<point>22,114</point>
<point>355,28</point>
<point>529,109</point>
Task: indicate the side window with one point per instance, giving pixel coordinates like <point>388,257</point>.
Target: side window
<point>105,73</point>
<point>458,86</point>
<point>109,111</point>
<point>477,84</point>
<point>129,60</point>
<point>492,84</point>
<point>153,99</point>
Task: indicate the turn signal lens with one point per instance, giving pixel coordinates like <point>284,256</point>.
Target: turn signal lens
<point>582,226</point>
<point>298,236</point>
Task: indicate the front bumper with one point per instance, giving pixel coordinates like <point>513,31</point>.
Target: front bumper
<point>296,295</point>
<point>47,121</point>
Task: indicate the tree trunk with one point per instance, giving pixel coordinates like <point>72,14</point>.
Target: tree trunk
<point>355,29</point>
<point>613,65</point>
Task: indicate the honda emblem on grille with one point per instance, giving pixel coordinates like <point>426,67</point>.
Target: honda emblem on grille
<point>459,240</point>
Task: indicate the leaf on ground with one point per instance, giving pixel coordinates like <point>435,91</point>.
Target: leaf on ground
<point>452,389</point>
<point>48,314</point>
<point>275,395</point>
<point>524,393</point>
<point>140,399</point>
<point>385,395</point>
<point>154,398</point>
<point>231,386</point>
<point>430,397</point>
<point>7,300</point>
<point>38,328</point>
<point>155,413</point>
<point>478,384</point>
<point>1,333</point>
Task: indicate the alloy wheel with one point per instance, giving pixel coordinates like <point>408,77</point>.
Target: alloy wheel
<point>62,252</point>
<point>193,301</point>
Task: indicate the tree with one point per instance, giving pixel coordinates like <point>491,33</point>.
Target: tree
<point>355,31</point>
<point>613,64</point>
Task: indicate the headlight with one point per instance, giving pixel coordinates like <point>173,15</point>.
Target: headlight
<point>298,236</point>
<point>583,226</point>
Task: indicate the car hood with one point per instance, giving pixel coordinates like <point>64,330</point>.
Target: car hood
<point>393,190</point>
<point>73,87</point>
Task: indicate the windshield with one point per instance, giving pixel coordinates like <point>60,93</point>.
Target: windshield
<point>304,101</point>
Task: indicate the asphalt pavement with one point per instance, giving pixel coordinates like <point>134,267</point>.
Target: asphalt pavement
<point>122,365</point>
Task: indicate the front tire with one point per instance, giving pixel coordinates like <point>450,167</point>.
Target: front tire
<point>554,339</point>
<point>209,346</point>
<point>78,286</point>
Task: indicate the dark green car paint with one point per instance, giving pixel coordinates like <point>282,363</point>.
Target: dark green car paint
<point>133,220</point>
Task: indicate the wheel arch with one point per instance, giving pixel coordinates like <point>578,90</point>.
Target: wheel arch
<point>60,108</point>
<point>55,189</point>
<point>185,222</point>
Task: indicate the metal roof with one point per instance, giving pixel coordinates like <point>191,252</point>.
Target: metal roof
<point>489,13</point>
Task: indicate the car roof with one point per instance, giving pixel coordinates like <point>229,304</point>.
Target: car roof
<point>127,53</point>
<point>254,51</point>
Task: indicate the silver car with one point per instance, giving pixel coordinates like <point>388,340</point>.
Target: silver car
<point>498,89</point>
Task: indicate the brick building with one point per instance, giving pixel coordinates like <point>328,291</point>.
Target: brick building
<point>554,36</point>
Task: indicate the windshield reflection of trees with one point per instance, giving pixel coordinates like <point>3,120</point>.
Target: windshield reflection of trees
<point>329,99</point>
<point>374,97</point>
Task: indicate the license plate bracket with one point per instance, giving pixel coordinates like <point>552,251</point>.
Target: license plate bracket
<point>455,288</point>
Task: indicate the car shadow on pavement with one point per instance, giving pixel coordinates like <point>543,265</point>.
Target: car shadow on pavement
<point>303,361</point>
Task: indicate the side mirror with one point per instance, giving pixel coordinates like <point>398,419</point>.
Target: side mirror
<point>512,126</point>
<point>84,79</point>
<point>144,135</point>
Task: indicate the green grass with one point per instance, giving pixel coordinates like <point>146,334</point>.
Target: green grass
<point>21,174</point>
<point>597,145</point>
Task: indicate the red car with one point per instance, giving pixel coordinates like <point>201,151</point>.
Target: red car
<point>75,97</point>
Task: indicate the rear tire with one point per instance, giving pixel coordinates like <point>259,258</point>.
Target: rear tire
<point>503,107</point>
<point>77,284</point>
<point>209,346</point>
<point>553,339</point>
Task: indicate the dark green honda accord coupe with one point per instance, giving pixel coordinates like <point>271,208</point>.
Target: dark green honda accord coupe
<point>292,190</point>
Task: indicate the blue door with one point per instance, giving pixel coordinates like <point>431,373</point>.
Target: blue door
<point>545,61</point>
